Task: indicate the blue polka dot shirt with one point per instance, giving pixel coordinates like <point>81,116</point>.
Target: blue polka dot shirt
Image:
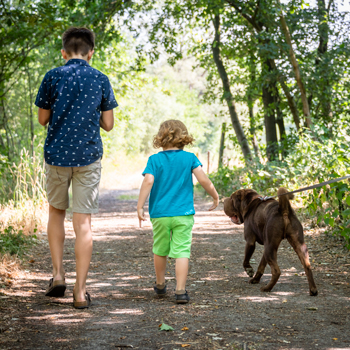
<point>76,94</point>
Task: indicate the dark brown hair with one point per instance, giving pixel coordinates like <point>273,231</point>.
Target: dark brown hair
<point>172,133</point>
<point>78,41</point>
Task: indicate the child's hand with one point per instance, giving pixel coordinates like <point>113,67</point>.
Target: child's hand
<point>141,215</point>
<point>215,204</point>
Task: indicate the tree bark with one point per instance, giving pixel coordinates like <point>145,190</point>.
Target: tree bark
<point>270,124</point>
<point>250,101</point>
<point>296,69</point>
<point>222,144</point>
<point>258,28</point>
<point>227,91</point>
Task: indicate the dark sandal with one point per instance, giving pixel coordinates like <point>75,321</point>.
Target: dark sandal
<point>56,288</point>
<point>82,304</point>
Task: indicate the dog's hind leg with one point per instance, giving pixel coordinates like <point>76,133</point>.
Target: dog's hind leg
<point>300,248</point>
<point>270,254</point>
<point>259,272</point>
<point>249,250</point>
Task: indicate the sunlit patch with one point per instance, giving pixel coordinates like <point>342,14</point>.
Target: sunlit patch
<point>127,312</point>
<point>101,285</point>
<point>113,238</point>
<point>260,299</point>
<point>130,278</point>
<point>284,293</point>
<point>211,232</point>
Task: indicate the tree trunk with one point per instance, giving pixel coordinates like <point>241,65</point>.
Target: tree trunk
<point>285,30</point>
<point>323,30</point>
<point>31,117</point>
<point>227,91</point>
<point>252,132</point>
<point>258,27</point>
<point>250,101</point>
<point>270,124</point>
<point>222,144</point>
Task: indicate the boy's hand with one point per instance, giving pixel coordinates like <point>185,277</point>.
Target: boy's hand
<point>141,215</point>
<point>215,204</point>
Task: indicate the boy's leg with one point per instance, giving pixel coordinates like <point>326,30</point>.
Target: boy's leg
<point>161,246</point>
<point>180,248</point>
<point>56,235</point>
<point>160,268</point>
<point>83,252</point>
<point>57,184</point>
<point>85,183</point>
<point>181,272</point>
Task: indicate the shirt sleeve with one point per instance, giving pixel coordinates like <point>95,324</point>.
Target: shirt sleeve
<point>43,97</point>
<point>108,100</point>
<point>150,169</point>
<point>195,162</point>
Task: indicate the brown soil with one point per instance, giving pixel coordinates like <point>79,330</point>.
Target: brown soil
<point>225,311</point>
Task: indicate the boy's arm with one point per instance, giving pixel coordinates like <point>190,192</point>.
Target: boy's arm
<point>44,116</point>
<point>107,120</point>
<point>144,192</point>
<point>207,185</point>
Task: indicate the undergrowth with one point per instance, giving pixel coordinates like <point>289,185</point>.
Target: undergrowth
<point>311,162</point>
<point>14,242</point>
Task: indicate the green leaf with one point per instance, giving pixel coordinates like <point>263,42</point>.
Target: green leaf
<point>347,200</point>
<point>165,327</point>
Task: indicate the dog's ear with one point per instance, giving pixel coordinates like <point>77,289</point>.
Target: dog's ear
<point>228,207</point>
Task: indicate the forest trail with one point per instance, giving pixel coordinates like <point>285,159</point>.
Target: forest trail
<point>225,311</point>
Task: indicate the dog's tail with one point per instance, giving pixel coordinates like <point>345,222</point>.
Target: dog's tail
<point>284,205</point>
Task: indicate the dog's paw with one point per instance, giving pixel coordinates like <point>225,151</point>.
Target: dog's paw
<point>254,281</point>
<point>265,289</point>
<point>313,293</point>
<point>249,271</point>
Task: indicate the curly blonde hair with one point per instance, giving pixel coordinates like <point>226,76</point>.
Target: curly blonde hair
<point>172,133</point>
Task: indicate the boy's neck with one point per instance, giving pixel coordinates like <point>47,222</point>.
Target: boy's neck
<point>79,57</point>
<point>171,148</point>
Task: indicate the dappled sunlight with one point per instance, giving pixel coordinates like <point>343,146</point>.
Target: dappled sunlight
<point>127,312</point>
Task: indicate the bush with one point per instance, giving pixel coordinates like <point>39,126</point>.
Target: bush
<point>311,162</point>
<point>15,242</point>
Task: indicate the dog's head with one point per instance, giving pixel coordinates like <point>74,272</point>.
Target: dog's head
<point>236,205</point>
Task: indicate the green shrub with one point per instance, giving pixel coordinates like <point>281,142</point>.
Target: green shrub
<point>15,242</point>
<point>311,162</point>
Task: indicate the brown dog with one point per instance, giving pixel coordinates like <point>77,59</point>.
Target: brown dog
<point>268,222</point>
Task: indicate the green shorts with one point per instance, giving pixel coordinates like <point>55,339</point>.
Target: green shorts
<point>172,236</point>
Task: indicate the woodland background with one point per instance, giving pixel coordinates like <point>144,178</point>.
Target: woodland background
<point>263,85</point>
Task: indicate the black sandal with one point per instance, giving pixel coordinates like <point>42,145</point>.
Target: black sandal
<point>56,288</point>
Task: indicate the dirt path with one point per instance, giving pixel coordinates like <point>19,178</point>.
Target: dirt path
<point>225,312</point>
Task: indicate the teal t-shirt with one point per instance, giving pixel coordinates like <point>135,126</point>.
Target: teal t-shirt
<point>172,191</point>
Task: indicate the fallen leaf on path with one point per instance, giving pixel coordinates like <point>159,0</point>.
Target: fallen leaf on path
<point>184,329</point>
<point>165,327</point>
<point>185,345</point>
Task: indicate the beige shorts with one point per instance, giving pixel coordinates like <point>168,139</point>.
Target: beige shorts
<point>85,187</point>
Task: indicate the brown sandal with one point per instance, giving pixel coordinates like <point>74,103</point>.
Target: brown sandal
<point>56,288</point>
<point>82,304</point>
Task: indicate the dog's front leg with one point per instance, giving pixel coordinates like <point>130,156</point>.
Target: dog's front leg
<point>249,250</point>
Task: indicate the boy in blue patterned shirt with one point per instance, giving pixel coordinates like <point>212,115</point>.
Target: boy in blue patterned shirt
<point>75,100</point>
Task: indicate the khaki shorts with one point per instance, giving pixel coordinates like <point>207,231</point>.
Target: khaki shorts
<point>85,187</point>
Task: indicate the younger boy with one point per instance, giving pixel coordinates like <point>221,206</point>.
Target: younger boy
<point>76,100</point>
<point>168,177</point>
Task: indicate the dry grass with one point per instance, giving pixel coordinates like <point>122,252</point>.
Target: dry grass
<point>9,269</point>
<point>27,216</point>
